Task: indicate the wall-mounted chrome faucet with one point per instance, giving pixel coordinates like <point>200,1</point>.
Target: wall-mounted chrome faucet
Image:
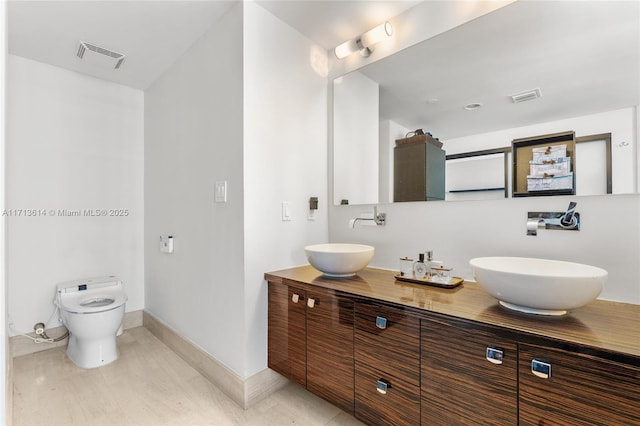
<point>378,218</point>
<point>567,221</point>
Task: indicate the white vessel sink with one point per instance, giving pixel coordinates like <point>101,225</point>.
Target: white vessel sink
<point>339,260</point>
<point>538,286</point>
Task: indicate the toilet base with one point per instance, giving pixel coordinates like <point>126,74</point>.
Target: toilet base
<point>92,353</point>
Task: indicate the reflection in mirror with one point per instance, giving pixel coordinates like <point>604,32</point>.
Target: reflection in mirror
<point>486,175</point>
<point>355,152</point>
<point>596,178</point>
<point>582,56</point>
<point>481,175</point>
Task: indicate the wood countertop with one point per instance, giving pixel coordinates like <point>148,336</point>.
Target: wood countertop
<point>604,326</point>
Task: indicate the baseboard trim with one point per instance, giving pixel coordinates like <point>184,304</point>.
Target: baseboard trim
<point>261,385</point>
<point>21,345</point>
<point>8,386</point>
<point>243,392</point>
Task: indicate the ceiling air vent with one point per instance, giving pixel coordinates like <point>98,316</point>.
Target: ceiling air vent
<point>529,95</point>
<point>99,55</point>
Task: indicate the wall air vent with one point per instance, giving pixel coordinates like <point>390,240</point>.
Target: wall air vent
<point>529,95</point>
<point>99,55</point>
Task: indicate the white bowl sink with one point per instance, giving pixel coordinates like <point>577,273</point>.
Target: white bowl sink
<point>538,286</point>
<point>339,260</point>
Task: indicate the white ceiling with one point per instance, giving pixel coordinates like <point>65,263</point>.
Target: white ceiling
<point>153,34</point>
<point>576,52</point>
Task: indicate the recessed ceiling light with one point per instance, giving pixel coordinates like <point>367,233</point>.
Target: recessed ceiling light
<point>472,106</point>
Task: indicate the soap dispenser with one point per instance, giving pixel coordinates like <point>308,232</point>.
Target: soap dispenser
<point>420,269</point>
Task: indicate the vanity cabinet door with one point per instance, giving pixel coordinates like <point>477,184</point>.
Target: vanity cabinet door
<point>560,387</point>
<point>311,341</point>
<point>469,375</point>
<point>287,332</point>
<point>387,362</point>
<point>330,372</point>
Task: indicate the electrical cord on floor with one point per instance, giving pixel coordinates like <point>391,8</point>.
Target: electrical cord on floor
<point>40,331</point>
<point>44,339</point>
<point>35,339</point>
<point>55,339</point>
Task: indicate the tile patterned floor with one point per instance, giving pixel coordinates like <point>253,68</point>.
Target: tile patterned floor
<point>148,385</point>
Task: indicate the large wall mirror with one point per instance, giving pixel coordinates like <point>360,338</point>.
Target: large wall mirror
<point>577,63</point>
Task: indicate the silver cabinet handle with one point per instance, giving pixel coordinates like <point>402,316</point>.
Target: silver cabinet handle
<point>311,302</point>
<point>295,297</point>
<point>382,386</point>
<point>494,355</point>
<point>541,369</point>
<point>381,322</point>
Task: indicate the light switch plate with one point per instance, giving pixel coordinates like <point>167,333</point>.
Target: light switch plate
<point>221,192</point>
<point>166,244</point>
<point>286,211</point>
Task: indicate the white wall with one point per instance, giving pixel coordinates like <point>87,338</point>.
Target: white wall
<point>73,142</point>
<point>246,105</point>
<point>285,159</point>
<point>356,129</point>
<point>193,138</point>
<point>6,390</point>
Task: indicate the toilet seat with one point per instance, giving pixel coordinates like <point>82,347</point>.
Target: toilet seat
<point>82,304</point>
<point>91,295</point>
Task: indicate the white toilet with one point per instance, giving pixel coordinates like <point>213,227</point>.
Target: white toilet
<point>92,310</point>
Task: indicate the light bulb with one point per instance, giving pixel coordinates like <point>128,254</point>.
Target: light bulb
<point>377,34</point>
<point>346,49</point>
<point>365,42</point>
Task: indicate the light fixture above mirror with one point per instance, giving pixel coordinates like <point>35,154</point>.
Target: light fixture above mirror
<point>365,43</point>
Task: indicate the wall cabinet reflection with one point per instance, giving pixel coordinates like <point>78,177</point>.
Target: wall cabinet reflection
<point>419,169</point>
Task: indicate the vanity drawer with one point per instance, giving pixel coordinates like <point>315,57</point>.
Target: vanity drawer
<point>400,405</point>
<point>561,387</point>
<point>469,374</point>
<point>388,340</point>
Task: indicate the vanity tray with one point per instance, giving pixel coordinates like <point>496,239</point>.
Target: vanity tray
<point>455,281</point>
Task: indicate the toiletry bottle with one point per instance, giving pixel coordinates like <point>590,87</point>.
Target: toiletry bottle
<point>428,262</point>
<point>406,267</point>
<point>420,269</point>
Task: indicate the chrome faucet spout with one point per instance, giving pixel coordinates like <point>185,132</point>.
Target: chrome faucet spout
<point>378,218</point>
<point>568,221</point>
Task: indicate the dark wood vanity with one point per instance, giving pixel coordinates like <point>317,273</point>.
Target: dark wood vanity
<point>395,353</point>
